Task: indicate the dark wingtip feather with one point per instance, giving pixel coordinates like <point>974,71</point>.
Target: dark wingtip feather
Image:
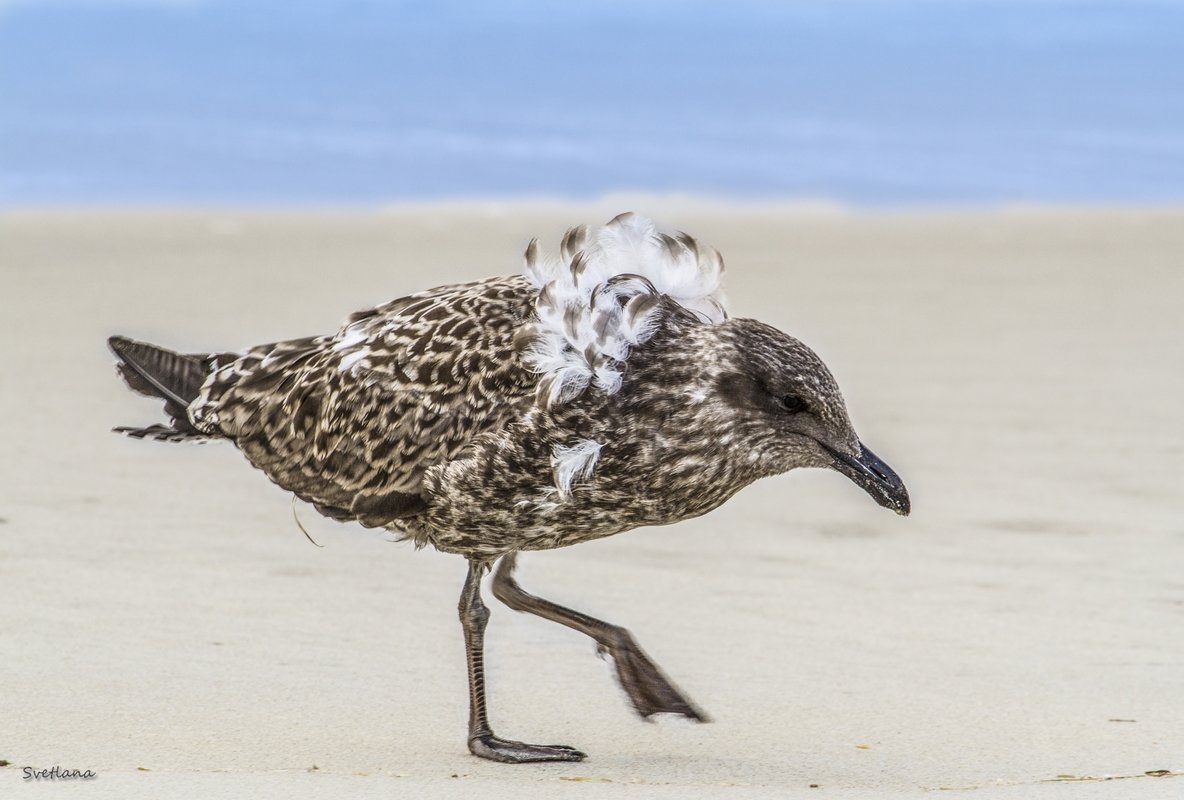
<point>161,433</point>
<point>118,344</point>
<point>157,372</point>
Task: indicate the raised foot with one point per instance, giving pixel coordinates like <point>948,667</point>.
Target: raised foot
<point>648,689</point>
<point>508,752</point>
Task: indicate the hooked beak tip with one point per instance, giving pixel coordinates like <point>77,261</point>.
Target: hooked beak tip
<point>875,477</point>
<point>905,506</point>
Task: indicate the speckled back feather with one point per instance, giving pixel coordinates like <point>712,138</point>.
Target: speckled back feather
<point>349,422</point>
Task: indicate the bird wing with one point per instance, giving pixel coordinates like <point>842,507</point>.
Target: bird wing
<point>351,421</point>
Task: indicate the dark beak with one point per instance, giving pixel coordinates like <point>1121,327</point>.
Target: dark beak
<point>874,476</point>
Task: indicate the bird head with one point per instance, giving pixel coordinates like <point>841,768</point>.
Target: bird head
<point>784,405</point>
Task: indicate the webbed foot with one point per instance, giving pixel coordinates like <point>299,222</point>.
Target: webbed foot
<point>648,689</point>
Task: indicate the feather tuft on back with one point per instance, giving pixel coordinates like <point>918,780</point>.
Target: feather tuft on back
<point>601,298</point>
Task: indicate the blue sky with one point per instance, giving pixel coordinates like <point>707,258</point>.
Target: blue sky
<point>887,102</point>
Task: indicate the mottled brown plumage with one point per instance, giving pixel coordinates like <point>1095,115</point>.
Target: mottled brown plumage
<point>587,397</point>
<point>351,422</point>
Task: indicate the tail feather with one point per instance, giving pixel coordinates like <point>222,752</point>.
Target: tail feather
<point>156,372</point>
<point>161,433</point>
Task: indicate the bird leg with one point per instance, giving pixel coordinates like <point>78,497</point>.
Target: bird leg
<point>482,742</point>
<point>650,691</point>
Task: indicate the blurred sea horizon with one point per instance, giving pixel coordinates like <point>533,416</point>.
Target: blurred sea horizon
<point>890,103</point>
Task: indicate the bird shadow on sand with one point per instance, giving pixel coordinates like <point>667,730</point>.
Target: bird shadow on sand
<point>1035,525</point>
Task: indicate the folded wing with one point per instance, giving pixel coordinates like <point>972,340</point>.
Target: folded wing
<point>350,422</point>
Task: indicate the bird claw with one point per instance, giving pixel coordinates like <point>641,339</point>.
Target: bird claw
<point>511,752</point>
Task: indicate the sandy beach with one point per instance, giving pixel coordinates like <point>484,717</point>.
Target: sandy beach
<point>167,625</point>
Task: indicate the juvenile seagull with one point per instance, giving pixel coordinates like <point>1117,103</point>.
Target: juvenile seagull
<point>595,393</point>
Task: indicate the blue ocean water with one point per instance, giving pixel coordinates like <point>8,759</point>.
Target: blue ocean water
<point>868,102</point>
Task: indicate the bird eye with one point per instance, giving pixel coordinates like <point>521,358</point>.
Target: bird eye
<point>793,404</point>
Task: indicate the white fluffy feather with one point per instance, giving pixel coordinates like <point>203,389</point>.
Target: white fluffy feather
<point>570,464</point>
<point>599,300</point>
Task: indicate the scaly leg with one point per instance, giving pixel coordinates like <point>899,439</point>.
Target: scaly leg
<point>650,691</point>
<point>482,742</point>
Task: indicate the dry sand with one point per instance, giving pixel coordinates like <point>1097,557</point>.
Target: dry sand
<point>165,623</point>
